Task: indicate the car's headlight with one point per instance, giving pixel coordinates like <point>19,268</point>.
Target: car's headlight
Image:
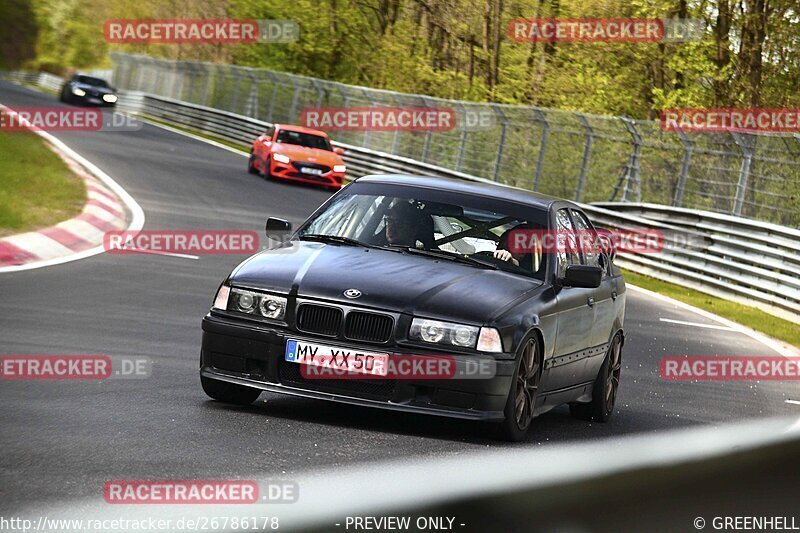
<point>280,158</point>
<point>78,91</point>
<point>257,304</point>
<point>339,168</point>
<point>447,333</point>
<point>110,98</point>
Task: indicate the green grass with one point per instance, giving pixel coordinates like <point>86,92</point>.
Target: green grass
<point>751,317</point>
<point>37,189</point>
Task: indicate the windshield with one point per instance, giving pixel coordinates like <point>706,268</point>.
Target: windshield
<point>303,139</point>
<point>459,227</point>
<point>95,82</point>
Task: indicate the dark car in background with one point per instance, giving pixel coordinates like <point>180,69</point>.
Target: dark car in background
<point>404,266</point>
<point>88,90</point>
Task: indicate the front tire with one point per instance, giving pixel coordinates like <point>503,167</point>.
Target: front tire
<point>522,396</point>
<point>225,392</point>
<point>606,386</point>
<point>251,167</point>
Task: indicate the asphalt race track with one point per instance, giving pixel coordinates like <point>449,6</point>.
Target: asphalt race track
<point>64,439</point>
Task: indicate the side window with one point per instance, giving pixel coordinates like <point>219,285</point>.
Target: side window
<point>567,249</point>
<point>587,237</point>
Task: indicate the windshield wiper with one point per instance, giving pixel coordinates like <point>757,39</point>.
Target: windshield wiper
<point>334,238</point>
<point>441,254</point>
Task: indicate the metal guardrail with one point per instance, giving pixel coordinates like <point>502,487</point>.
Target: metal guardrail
<point>755,263</point>
<point>580,156</point>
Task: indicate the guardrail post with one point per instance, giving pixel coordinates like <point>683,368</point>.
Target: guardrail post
<point>275,86</point>
<point>462,141</point>
<point>295,97</point>
<point>542,147</point>
<point>587,154</point>
<point>237,85</point>
<point>688,149</point>
<point>501,144</point>
<point>139,78</point>
<point>320,92</point>
<point>396,134</point>
<point>206,98</point>
<point>426,146</point>
<point>744,172</point>
<point>251,109</point>
<point>632,175</point>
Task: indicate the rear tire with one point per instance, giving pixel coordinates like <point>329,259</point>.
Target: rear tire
<point>223,391</point>
<point>606,386</point>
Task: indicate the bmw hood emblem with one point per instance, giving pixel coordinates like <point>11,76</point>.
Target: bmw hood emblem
<point>352,293</point>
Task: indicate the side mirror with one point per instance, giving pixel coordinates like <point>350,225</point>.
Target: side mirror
<point>266,138</point>
<point>277,228</point>
<point>585,276</point>
<point>338,151</point>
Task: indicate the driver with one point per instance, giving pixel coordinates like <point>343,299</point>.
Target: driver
<point>524,260</point>
<point>402,224</point>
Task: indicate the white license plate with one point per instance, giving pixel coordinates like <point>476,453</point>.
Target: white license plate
<point>314,171</point>
<point>336,358</point>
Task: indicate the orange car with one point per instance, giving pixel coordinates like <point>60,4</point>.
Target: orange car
<point>298,154</point>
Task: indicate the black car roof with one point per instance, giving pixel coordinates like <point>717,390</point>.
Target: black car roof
<point>488,188</point>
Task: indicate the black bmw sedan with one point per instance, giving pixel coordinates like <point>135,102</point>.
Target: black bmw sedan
<point>88,90</point>
<point>395,272</point>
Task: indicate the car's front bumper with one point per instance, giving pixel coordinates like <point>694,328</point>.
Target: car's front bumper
<point>252,355</point>
<point>289,172</point>
<point>90,100</point>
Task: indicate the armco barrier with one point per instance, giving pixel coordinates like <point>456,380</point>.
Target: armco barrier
<point>744,260</point>
<point>579,156</point>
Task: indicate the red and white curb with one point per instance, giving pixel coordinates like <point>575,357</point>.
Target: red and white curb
<point>108,207</point>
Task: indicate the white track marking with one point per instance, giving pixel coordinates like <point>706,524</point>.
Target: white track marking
<point>783,349</point>
<point>697,324</point>
<point>793,402</point>
<point>159,252</point>
<point>193,136</point>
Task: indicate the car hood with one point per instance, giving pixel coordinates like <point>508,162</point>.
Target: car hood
<point>387,280</point>
<point>93,88</point>
<point>302,153</point>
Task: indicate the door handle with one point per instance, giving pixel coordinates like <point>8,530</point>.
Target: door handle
<point>613,295</point>
<point>590,302</point>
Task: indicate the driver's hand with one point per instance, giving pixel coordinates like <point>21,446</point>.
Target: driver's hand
<point>505,255</point>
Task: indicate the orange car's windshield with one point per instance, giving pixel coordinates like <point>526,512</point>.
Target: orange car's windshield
<point>303,139</point>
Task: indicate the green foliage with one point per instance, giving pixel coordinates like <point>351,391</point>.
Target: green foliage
<point>460,48</point>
